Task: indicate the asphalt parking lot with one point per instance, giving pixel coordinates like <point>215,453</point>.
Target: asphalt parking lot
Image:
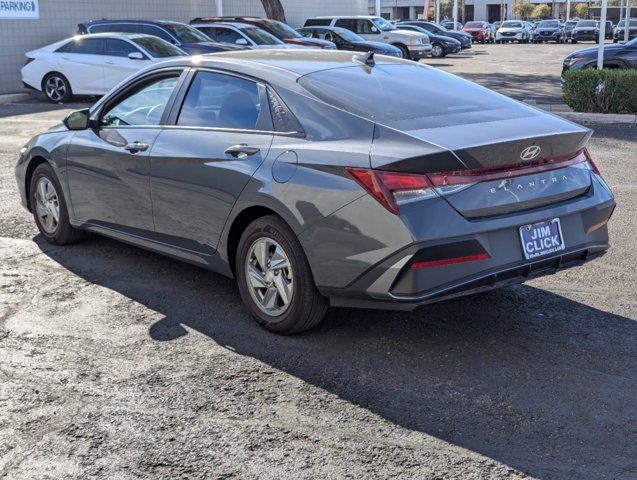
<point>120,363</point>
<point>524,72</point>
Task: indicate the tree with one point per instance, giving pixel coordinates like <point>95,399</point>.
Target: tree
<point>274,10</point>
<point>523,9</point>
<point>580,10</point>
<point>542,10</point>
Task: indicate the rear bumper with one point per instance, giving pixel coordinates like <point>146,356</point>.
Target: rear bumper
<point>391,283</point>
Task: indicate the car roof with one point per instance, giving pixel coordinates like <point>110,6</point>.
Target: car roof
<point>130,36</point>
<point>123,20</point>
<point>224,24</point>
<point>231,19</point>
<point>343,16</point>
<point>270,65</point>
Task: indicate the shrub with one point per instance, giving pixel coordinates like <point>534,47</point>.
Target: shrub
<point>542,10</point>
<point>602,91</point>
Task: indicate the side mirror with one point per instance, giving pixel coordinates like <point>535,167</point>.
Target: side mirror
<point>136,56</point>
<point>374,30</point>
<point>78,120</point>
<point>241,41</point>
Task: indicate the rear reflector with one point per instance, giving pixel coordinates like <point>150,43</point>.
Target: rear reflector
<point>597,226</point>
<point>450,261</point>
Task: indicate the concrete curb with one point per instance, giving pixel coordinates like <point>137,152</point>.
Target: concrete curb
<point>599,118</point>
<point>13,97</point>
<point>584,117</point>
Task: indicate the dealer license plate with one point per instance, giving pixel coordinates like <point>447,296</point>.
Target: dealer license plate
<point>542,238</point>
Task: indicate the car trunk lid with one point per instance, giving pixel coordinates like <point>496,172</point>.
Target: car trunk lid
<point>491,168</point>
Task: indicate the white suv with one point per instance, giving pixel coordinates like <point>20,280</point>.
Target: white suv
<point>413,45</point>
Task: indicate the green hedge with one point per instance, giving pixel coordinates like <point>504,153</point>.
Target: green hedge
<point>602,91</point>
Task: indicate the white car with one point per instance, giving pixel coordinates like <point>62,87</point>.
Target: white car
<point>413,45</point>
<point>91,64</point>
<point>513,31</point>
<point>243,34</point>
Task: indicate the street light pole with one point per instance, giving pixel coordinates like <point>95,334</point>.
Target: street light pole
<point>438,11</point>
<point>602,36</point>
<point>219,8</point>
<point>568,10</point>
<point>629,6</point>
<point>455,14</point>
<point>377,8</point>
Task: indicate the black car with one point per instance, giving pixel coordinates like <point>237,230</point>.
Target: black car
<point>463,38</point>
<point>620,30</point>
<point>347,40</point>
<point>585,30</point>
<point>440,44</point>
<point>448,24</point>
<point>622,56</point>
<point>548,31</point>
<point>184,36</point>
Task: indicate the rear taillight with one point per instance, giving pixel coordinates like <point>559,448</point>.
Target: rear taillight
<point>392,189</point>
<point>28,60</point>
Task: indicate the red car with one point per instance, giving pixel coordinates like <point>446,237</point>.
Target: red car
<point>280,30</point>
<point>479,31</point>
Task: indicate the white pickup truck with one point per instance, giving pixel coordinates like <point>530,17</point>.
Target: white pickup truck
<point>413,45</point>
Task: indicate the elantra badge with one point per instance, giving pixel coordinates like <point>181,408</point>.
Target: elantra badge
<point>529,153</point>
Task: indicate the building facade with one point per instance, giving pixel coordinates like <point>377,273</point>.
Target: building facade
<point>482,10</point>
<point>35,23</point>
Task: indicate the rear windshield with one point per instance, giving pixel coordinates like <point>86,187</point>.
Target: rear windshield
<point>631,23</point>
<point>410,97</point>
<point>587,23</point>
<point>473,24</point>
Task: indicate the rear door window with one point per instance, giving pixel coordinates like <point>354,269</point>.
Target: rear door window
<point>87,46</point>
<point>318,22</point>
<point>157,32</point>
<point>221,101</point>
<point>227,35</point>
<point>348,23</point>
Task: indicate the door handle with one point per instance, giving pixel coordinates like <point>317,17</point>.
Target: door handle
<point>242,151</point>
<point>110,62</point>
<point>136,146</point>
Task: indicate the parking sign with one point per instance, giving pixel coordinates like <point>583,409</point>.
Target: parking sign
<point>19,9</point>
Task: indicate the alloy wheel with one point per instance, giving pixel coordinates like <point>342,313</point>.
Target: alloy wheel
<point>47,206</point>
<point>55,88</point>
<point>269,275</point>
<point>437,51</point>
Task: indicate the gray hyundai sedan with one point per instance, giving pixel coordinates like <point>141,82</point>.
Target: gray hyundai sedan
<point>323,178</point>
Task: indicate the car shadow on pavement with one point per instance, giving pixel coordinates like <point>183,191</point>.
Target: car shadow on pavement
<point>529,378</point>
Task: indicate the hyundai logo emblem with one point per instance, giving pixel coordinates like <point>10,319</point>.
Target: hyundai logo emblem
<point>529,153</point>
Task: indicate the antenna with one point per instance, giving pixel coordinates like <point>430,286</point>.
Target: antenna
<point>365,59</point>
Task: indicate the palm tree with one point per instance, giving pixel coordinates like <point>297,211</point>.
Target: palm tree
<point>274,10</point>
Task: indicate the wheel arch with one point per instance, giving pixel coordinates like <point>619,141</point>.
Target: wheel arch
<point>35,161</point>
<point>44,77</point>
<point>238,225</point>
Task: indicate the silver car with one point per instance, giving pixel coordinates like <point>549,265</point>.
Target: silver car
<point>323,178</point>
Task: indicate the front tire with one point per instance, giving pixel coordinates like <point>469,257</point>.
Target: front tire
<point>275,280</point>
<point>404,52</point>
<point>49,208</point>
<point>437,50</point>
<point>56,88</point>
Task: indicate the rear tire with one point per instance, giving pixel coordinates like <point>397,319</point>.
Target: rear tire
<point>50,212</point>
<point>56,88</point>
<point>271,241</point>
